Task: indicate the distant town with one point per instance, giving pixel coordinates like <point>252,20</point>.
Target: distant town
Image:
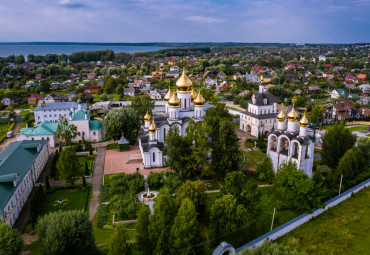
<point>204,149</point>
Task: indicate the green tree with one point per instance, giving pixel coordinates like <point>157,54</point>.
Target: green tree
<point>268,248</point>
<point>179,153</point>
<point>351,164</point>
<point>86,169</point>
<point>68,165</point>
<point>44,85</point>
<point>335,142</point>
<point>11,242</point>
<point>185,230</point>
<point>119,89</point>
<point>265,170</point>
<point>142,225</point>
<point>195,191</point>
<point>297,189</point>
<point>226,214</point>
<point>141,105</point>
<point>364,145</point>
<point>123,121</point>
<point>161,222</point>
<point>83,181</point>
<point>66,232</point>
<point>65,131</point>
<point>119,243</point>
<point>47,184</point>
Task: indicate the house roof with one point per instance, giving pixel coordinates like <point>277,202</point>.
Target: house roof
<point>44,128</point>
<point>95,125</point>
<point>11,165</point>
<point>344,105</point>
<point>265,95</point>
<point>56,106</point>
<point>80,115</point>
<point>341,92</point>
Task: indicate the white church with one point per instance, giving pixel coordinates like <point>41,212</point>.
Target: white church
<point>181,106</point>
<point>290,142</point>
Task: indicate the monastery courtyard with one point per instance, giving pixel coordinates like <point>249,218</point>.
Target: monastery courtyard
<point>126,162</point>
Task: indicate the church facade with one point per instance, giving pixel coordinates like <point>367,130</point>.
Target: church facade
<point>260,118</point>
<point>181,106</point>
<point>290,142</point>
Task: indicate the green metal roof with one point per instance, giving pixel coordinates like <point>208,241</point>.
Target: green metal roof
<point>16,159</point>
<point>354,96</point>
<point>44,128</point>
<point>80,115</point>
<point>342,92</point>
<point>95,125</point>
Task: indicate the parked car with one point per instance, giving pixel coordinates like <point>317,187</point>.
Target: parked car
<point>9,134</point>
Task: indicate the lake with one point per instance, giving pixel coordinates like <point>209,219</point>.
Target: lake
<point>18,49</point>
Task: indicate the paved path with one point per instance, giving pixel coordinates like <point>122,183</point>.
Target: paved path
<point>96,181</point>
<point>236,106</point>
<point>7,141</point>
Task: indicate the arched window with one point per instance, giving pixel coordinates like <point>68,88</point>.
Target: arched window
<point>284,146</point>
<point>153,157</point>
<point>307,154</point>
<point>295,150</point>
<point>273,145</point>
<point>164,133</point>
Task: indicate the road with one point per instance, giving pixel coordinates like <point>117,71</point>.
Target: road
<point>7,141</point>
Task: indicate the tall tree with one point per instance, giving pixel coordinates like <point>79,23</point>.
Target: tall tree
<point>142,104</point>
<point>66,232</point>
<point>364,145</point>
<point>297,189</point>
<point>352,164</point>
<point>335,142</point>
<point>193,190</point>
<point>122,122</point>
<point>161,222</point>
<point>119,243</point>
<point>11,242</point>
<point>142,225</point>
<point>65,131</point>
<point>185,230</point>
<point>68,165</point>
<point>265,170</point>
<point>179,152</point>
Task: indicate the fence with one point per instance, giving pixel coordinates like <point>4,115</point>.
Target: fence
<point>303,218</point>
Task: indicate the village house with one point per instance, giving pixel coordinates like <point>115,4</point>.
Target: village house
<point>361,77</point>
<point>314,89</point>
<point>336,93</point>
<point>209,83</point>
<point>32,100</point>
<point>157,75</point>
<point>172,75</point>
<point>92,89</point>
<point>91,76</point>
<point>129,92</point>
<point>252,78</point>
<point>155,94</point>
<point>365,88</point>
<point>11,100</point>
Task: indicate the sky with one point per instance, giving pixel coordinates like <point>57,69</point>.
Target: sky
<point>280,21</point>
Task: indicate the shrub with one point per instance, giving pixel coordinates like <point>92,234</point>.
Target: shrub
<point>107,227</point>
<point>103,216</point>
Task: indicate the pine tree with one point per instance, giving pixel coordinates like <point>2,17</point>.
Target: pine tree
<point>83,181</point>
<point>47,184</point>
<point>90,149</point>
<point>142,225</point>
<point>86,169</point>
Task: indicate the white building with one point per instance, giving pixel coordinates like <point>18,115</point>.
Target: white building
<point>52,111</point>
<point>290,143</point>
<point>180,107</point>
<point>209,83</point>
<point>261,114</point>
<point>21,164</point>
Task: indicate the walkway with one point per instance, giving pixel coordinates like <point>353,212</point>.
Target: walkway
<point>7,141</point>
<point>96,181</point>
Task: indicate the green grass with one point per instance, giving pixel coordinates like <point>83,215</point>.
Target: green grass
<point>4,128</point>
<point>358,128</point>
<point>344,229</point>
<point>77,197</point>
<point>248,144</point>
<point>83,159</point>
<point>211,185</point>
<point>253,158</point>
<point>23,114</point>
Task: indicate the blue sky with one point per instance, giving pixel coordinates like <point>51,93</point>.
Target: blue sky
<point>310,21</point>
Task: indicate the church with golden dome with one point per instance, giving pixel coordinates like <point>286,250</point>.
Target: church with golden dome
<point>181,105</point>
<point>290,142</point>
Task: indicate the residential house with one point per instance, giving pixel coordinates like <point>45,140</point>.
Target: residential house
<point>223,86</point>
<point>11,100</point>
<point>364,112</point>
<point>265,78</point>
<point>344,110</point>
<point>336,93</point>
<point>364,100</point>
<point>314,89</point>
<point>175,69</point>
<point>87,97</point>
<point>21,165</point>
<point>155,94</point>
<point>252,78</point>
<point>91,76</point>
<point>157,75</point>
<point>209,83</point>
<point>172,75</point>
<point>72,96</point>
<point>236,76</point>
<point>353,96</point>
<point>39,76</point>
<point>129,92</point>
<point>32,100</point>
<point>221,75</point>
<point>92,89</point>
<point>350,86</point>
<point>361,77</point>
<point>365,88</point>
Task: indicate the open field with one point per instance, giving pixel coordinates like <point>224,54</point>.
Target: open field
<point>344,229</point>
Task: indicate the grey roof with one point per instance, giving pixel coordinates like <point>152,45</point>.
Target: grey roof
<point>293,136</point>
<point>58,106</point>
<point>266,95</point>
<point>261,116</point>
<point>146,146</point>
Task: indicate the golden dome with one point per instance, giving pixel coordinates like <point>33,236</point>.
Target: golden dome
<point>184,83</point>
<point>174,102</point>
<point>293,115</point>
<point>152,127</point>
<point>147,116</point>
<point>304,121</point>
<point>199,101</point>
<point>168,95</point>
<point>281,115</point>
<point>193,95</point>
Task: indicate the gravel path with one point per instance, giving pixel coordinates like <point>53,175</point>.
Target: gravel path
<point>96,181</point>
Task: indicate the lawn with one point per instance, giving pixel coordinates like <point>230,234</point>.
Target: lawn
<point>23,114</point>
<point>4,128</point>
<point>358,128</point>
<point>76,196</point>
<point>344,229</point>
<point>252,159</point>
<point>85,158</point>
<point>211,185</point>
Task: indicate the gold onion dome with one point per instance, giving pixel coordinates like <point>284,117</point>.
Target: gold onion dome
<point>293,115</point>
<point>199,101</point>
<point>193,95</point>
<point>152,127</point>
<point>281,115</point>
<point>184,83</point>
<point>168,95</point>
<point>174,102</point>
<point>147,116</point>
<point>304,121</point>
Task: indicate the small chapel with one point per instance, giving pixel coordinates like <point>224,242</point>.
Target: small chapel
<point>181,105</point>
<point>290,142</point>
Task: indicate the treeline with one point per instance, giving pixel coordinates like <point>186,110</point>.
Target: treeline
<point>197,51</point>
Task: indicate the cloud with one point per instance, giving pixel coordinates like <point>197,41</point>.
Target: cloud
<point>202,19</point>
<point>70,4</point>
